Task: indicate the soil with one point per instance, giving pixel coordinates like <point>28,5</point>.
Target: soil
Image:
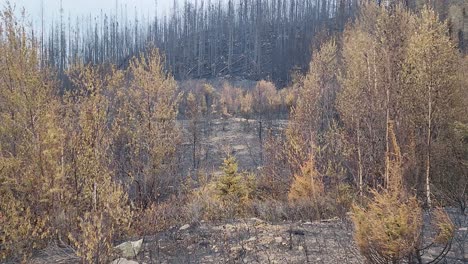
<point>255,241</point>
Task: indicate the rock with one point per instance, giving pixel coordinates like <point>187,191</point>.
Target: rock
<point>251,239</point>
<point>123,261</point>
<point>278,239</point>
<point>300,248</point>
<point>184,227</point>
<point>236,248</point>
<point>130,249</point>
<point>463,229</point>
<point>254,219</point>
<point>229,227</point>
<point>215,249</point>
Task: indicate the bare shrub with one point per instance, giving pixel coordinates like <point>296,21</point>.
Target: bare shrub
<point>159,216</point>
<point>271,210</point>
<point>341,200</point>
<point>274,178</point>
<point>21,231</point>
<point>444,227</point>
<point>204,205</point>
<point>94,241</point>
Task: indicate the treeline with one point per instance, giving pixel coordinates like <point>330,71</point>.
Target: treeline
<point>248,38</point>
<point>252,39</point>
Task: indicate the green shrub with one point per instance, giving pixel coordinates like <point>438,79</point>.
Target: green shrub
<point>226,196</point>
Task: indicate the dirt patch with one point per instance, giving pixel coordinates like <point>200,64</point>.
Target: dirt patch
<point>254,241</point>
<point>239,137</point>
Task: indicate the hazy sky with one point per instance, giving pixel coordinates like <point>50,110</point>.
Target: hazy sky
<point>85,7</point>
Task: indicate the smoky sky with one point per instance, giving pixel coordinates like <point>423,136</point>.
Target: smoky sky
<point>74,8</point>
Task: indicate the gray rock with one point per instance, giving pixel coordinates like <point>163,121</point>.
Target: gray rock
<point>229,227</point>
<point>123,261</point>
<point>278,239</point>
<point>184,227</point>
<point>130,249</point>
<point>251,239</point>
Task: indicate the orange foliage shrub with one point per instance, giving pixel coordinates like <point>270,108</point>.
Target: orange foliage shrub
<point>389,229</point>
<point>307,185</point>
<point>307,190</point>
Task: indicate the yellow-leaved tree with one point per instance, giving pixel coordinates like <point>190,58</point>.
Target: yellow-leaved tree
<point>146,135</point>
<point>31,174</point>
<point>432,94</point>
<point>98,210</point>
<point>315,114</point>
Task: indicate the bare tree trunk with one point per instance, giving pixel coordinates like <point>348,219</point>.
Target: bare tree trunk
<point>359,161</point>
<point>428,154</point>
<point>42,33</point>
<point>387,143</point>
<point>387,152</point>
<point>94,195</point>
<point>260,136</point>
<point>194,149</point>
